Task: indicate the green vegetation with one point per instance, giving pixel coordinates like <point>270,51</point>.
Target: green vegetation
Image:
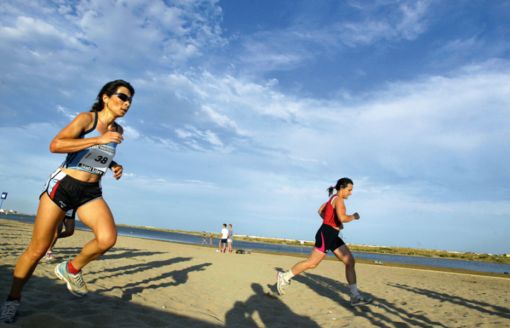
<point>503,259</point>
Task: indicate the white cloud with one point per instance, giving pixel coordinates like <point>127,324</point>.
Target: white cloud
<point>222,120</point>
<point>275,50</point>
<point>162,184</point>
<point>406,127</point>
<point>65,111</point>
<point>413,20</point>
<point>406,22</point>
<point>37,31</point>
<point>168,32</point>
<point>130,132</point>
<point>102,36</point>
<point>244,95</point>
<point>297,44</point>
<point>196,138</point>
<point>212,138</point>
<point>183,134</point>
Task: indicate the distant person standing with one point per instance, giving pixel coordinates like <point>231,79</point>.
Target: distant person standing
<point>222,246</point>
<point>90,142</point>
<point>204,238</point>
<point>230,238</point>
<point>334,214</point>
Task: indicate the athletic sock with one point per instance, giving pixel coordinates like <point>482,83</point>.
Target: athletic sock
<point>288,275</point>
<point>71,269</point>
<point>354,290</point>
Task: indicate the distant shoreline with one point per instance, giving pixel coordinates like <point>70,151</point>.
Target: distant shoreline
<point>401,251</point>
<point>283,253</point>
<point>262,240</point>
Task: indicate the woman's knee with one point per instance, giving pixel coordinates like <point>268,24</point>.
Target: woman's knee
<point>349,261</point>
<point>105,242</point>
<point>36,252</point>
<point>312,265</point>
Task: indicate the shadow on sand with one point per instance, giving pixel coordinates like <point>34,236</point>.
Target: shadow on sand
<point>46,302</point>
<point>262,310</point>
<point>333,290</point>
<point>482,307</point>
<point>177,277</point>
<point>52,305</point>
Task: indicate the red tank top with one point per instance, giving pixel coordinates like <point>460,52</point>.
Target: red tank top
<point>330,218</point>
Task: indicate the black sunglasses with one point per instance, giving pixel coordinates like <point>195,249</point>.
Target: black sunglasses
<point>123,97</point>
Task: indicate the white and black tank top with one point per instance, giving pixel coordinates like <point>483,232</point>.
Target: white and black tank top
<point>95,159</point>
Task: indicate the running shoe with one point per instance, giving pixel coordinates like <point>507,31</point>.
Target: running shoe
<point>49,257</point>
<point>360,300</point>
<point>75,283</point>
<point>9,311</point>
<point>281,283</point>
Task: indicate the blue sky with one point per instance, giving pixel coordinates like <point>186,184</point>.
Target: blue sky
<point>246,111</point>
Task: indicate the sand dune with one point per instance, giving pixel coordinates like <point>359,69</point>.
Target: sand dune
<point>145,283</point>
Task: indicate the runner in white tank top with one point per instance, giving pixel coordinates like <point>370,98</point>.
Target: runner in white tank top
<point>90,141</point>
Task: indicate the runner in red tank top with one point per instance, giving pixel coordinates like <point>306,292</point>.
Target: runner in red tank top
<point>329,215</point>
<point>334,214</point>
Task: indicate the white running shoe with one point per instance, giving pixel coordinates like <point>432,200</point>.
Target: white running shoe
<point>9,311</point>
<point>281,283</point>
<point>49,257</point>
<point>75,283</point>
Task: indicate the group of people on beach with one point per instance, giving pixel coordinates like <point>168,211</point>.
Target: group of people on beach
<point>90,142</point>
<point>226,239</point>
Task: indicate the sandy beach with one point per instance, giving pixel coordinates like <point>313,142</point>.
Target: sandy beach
<point>146,283</point>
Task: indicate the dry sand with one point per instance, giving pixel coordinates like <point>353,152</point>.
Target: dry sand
<point>146,283</point>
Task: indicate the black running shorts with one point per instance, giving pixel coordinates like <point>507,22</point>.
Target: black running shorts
<point>327,238</point>
<point>69,193</point>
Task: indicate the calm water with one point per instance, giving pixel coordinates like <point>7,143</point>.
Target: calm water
<point>197,240</point>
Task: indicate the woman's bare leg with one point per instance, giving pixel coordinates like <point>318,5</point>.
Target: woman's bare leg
<point>97,216</point>
<point>311,262</point>
<point>47,219</point>
<point>283,278</point>
<point>343,253</point>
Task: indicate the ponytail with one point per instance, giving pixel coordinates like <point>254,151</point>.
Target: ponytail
<point>340,184</point>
